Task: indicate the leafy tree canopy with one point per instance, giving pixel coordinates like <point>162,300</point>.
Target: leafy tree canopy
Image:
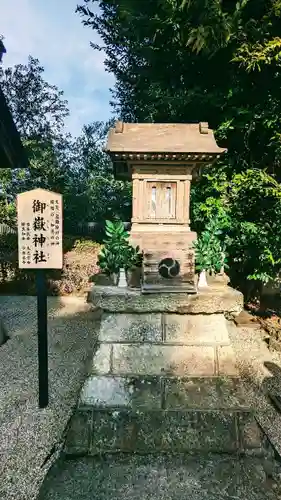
<point>75,167</point>
<point>214,61</point>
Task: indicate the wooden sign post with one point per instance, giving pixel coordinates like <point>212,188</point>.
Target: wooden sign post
<point>39,214</point>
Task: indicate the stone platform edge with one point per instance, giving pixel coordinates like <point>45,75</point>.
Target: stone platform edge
<point>94,431</point>
<point>210,301</point>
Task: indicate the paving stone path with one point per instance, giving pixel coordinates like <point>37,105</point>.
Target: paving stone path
<point>31,438</point>
<point>213,477</point>
<point>158,478</point>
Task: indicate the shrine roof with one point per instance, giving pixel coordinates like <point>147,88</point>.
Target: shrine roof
<point>12,152</point>
<point>176,138</point>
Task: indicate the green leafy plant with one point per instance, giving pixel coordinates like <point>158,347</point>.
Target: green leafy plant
<point>112,256</point>
<point>134,257</point>
<point>109,261</point>
<point>117,236</point>
<point>210,252</point>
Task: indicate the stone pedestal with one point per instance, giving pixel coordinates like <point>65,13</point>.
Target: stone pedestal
<point>209,301</point>
<point>163,378</point>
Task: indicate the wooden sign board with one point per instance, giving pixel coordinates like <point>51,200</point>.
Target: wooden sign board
<point>39,214</point>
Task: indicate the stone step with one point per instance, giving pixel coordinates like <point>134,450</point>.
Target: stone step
<point>171,344</point>
<point>163,414</point>
<point>172,360</point>
<point>187,329</point>
<point>170,393</point>
<point>102,431</point>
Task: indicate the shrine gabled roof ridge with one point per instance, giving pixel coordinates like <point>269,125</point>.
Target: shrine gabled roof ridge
<point>162,139</point>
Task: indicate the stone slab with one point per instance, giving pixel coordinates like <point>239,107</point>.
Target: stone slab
<point>162,477</point>
<point>102,359</point>
<point>233,394</point>
<point>102,391</point>
<point>246,319</point>
<point>114,299</point>
<point>79,433</point>
<point>205,393</point>
<point>152,432</point>
<point>227,361</point>
<point>163,359</point>
<point>250,434</point>
<point>196,329</point>
<point>130,328</point>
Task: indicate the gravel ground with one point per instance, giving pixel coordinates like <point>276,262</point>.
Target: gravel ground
<point>31,437</point>
<point>158,478</point>
<point>261,371</point>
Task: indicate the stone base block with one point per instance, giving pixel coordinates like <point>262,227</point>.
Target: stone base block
<point>152,393</point>
<point>107,431</point>
<point>209,301</point>
<point>197,329</point>
<point>172,360</point>
<point>131,327</point>
<point>122,392</point>
<point>164,359</point>
<point>180,329</point>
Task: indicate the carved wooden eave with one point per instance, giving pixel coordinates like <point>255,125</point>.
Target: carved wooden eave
<point>123,162</point>
<point>188,157</point>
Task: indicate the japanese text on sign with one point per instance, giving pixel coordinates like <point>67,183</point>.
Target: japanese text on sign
<point>39,229</point>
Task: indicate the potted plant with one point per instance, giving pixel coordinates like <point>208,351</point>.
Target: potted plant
<point>109,263</point>
<point>210,257</point>
<point>133,266</point>
<point>113,253</point>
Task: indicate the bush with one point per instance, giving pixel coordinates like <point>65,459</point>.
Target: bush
<point>247,207</point>
<point>79,265</point>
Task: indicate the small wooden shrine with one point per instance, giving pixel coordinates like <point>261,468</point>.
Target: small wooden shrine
<point>161,160</point>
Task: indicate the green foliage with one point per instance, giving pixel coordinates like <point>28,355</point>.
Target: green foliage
<point>247,210</point>
<point>194,60</point>
<point>37,107</point>
<point>210,254</point>
<point>76,167</point>
<point>117,253</point>
<point>133,258</point>
<point>116,234</point>
<point>112,256</point>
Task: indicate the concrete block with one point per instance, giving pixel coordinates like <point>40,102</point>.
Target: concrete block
<point>212,431</point>
<point>79,433</point>
<point>130,328</point>
<point>250,433</point>
<point>177,432</point>
<point>101,360</point>
<point>104,391</point>
<point>157,360</point>
<point>199,393</point>
<point>196,329</point>
<point>227,361</point>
